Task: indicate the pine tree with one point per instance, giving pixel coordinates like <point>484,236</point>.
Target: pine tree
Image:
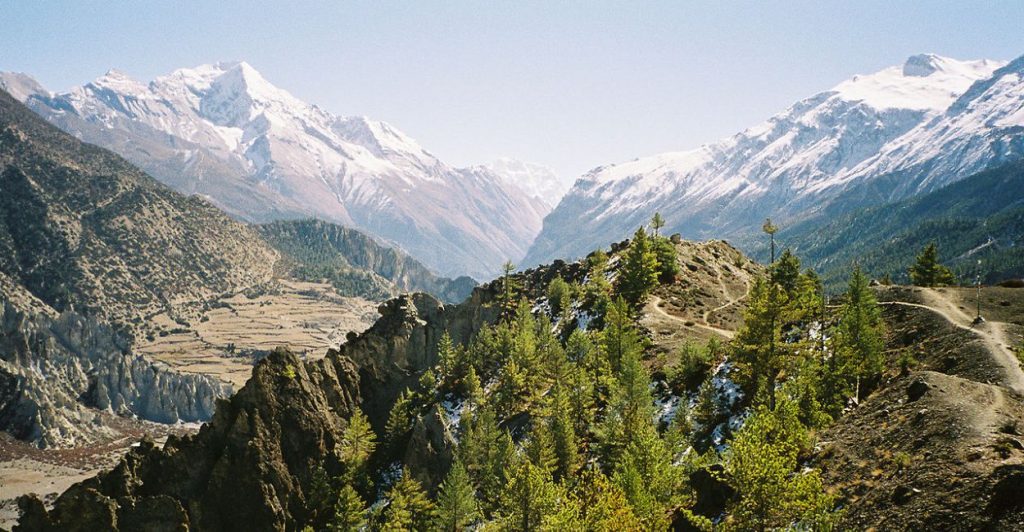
<point>597,291</point>
<point>508,297</point>
<point>456,501</point>
<point>486,451</point>
<point>350,511</point>
<point>540,447</point>
<point>603,505</point>
<point>630,411</point>
<point>860,337</point>
<point>472,389</point>
<point>760,350</point>
<point>399,419</point>
<point>927,271</point>
<point>786,272</point>
<point>620,335</point>
<point>668,264</point>
<point>657,222</point>
<point>639,270</point>
<point>357,444</point>
<point>408,506</point>
<point>649,479</point>
<point>447,358</point>
<point>761,466</point>
<point>530,498</point>
<point>563,431</point>
<point>559,296</point>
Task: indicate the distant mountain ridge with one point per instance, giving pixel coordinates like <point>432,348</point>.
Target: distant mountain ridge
<point>967,221</point>
<point>355,263</point>
<point>872,139</point>
<point>80,227</point>
<point>225,132</point>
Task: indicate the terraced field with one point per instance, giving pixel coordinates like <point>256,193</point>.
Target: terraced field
<point>226,340</point>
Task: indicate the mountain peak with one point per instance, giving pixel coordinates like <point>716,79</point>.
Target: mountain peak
<point>119,81</point>
<point>926,82</point>
<point>922,65</point>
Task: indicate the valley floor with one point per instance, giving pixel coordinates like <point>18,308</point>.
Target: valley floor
<point>307,317</point>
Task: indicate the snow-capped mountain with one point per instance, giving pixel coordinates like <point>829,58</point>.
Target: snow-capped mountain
<point>225,132</point>
<point>898,132</point>
<point>537,181</point>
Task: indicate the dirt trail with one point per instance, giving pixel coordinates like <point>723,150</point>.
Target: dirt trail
<point>731,300</point>
<point>655,303</point>
<point>990,332</point>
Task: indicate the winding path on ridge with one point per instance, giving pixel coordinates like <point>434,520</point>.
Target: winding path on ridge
<point>990,332</point>
<point>730,299</point>
<point>655,302</point>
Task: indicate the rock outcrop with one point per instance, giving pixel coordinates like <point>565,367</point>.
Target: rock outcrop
<point>250,468</point>
<point>53,370</point>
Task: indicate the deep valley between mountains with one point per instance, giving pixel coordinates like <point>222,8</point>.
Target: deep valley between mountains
<point>223,308</point>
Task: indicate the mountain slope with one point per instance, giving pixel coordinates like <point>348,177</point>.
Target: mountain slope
<point>261,154</point>
<point>355,263</point>
<point>966,219</point>
<point>80,227</point>
<point>868,140</point>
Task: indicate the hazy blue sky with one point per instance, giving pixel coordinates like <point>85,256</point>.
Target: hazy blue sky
<point>569,84</point>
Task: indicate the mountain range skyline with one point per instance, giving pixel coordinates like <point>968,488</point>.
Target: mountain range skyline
<point>602,85</point>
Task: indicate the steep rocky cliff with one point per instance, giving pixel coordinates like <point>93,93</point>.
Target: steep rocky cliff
<point>250,468</point>
<point>52,370</point>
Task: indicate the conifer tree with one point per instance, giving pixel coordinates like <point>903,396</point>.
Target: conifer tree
<point>399,419</point>
<point>786,272</point>
<point>540,446</point>
<point>761,466</point>
<point>668,265</point>
<point>508,296</point>
<point>927,271</point>
<point>357,444</point>
<point>860,336</point>
<point>630,411</point>
<point>447,358</point>
<point>408,507</point>
<point>471,387</point>
<point>639,270</point>
<point>597,291</point>
<point>657,222</point>
<point>456,501</point>
<point>559,296</point>
<point>350,511</point>
<point>649,479</point>
<point>603,505</point>
<point>563,432</point>
<point>760,349</point>
<point>620,335</point>
<point>530,498</point>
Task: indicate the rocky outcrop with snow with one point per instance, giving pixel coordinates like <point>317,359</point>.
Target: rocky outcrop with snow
<point>225,132</point>
<point>898,132</point>
<point>55,373</point>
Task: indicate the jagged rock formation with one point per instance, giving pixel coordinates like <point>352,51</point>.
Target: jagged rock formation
<point>250,468</point>
<point>355,263</point>
<point>53,369</point>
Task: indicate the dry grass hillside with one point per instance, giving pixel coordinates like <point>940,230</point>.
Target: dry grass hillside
<point>943,441</point>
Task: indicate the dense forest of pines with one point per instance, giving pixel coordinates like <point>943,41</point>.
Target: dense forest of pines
<point>556,419</point>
